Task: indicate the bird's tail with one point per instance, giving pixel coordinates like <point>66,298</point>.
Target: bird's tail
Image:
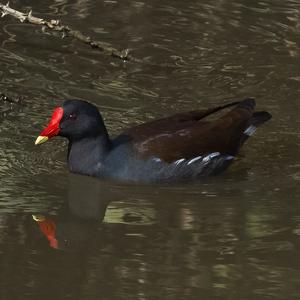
<point>257,119</point>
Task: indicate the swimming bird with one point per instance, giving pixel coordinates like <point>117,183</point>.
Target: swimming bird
<point>183,146</point>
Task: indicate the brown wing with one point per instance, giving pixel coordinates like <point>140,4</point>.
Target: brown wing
<point>188,135</point>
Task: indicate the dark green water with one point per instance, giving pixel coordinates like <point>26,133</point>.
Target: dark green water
<point>236,236</point>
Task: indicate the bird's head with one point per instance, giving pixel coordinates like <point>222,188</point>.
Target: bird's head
<point>75,119</point>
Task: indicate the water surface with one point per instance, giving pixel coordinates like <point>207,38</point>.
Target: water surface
<point>235,236</point>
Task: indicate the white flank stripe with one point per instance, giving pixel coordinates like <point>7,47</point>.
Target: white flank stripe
<point>156,159</point>
<point>179,161</point>
<point>229,157</point>
<point>210,156</point>
<point>194,159</point>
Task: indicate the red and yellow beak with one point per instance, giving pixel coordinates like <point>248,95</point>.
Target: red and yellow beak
<point>48,228</point>
<point>53,127</point>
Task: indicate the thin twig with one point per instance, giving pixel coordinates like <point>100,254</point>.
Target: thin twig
<point>4,98</point>
<point>56,25</point>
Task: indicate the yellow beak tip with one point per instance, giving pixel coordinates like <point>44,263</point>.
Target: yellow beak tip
<point>38,218</point>
<point>41,139</point>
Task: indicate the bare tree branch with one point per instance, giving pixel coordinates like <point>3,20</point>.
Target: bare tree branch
<point>4,98</point>
<point>56,25</point>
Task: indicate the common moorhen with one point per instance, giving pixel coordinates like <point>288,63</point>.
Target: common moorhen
<point>183,146</point>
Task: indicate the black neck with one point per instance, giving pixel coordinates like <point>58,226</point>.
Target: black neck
<point>86,155</point>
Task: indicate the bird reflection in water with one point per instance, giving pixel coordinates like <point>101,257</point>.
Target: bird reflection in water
<point>78,222</point>
<point>79,218</point>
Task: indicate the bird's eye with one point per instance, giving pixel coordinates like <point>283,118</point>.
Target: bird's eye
<point>72,116</point>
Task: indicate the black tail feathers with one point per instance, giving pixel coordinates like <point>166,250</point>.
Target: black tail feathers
<point>259,118</point>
